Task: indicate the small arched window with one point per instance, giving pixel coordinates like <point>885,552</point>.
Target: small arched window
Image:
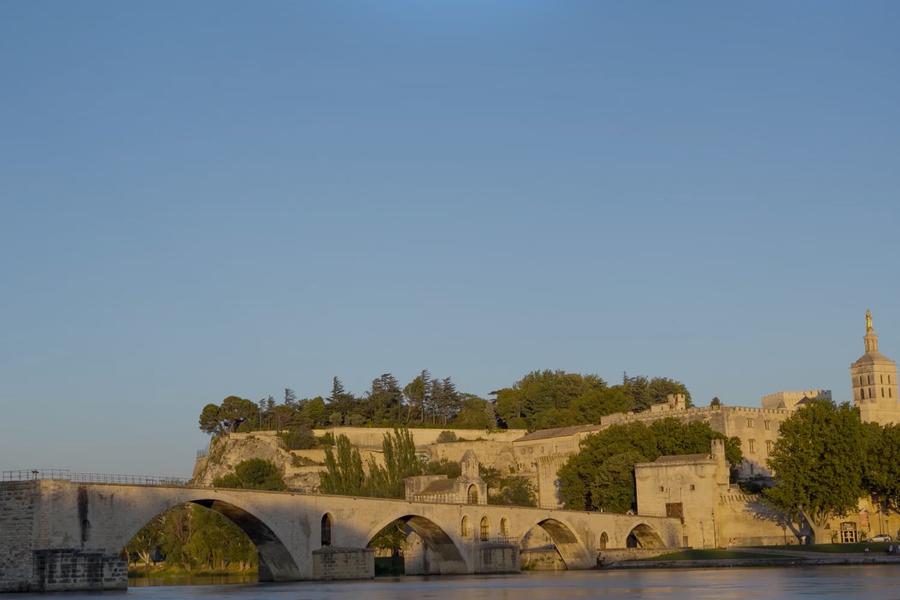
<point>326,529</point>
<point>485,530</point>
<point>464,527</point>
<point>504,527</point>
<point>604,540</point>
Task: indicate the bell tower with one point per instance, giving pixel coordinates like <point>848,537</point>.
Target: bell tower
<point>874,380</point>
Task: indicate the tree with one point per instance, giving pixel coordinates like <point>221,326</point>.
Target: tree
<point>210,422</point>
<point>298,439</point>
<point>340,401</point>
<point>816,462</point>
<point>881,473</point>
<point>601,475</point>
<point>475,413</point>
<point>416,393</point>
<point>253,474</point>
<point>400,462</point>
<point>344,473</point>
<point>514,491</point>
<point>384,401</point>
<point>646,392</point>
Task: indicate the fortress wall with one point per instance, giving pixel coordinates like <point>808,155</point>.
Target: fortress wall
<point>373,436</point>
<point>490,453</point>
<point>17,514</point>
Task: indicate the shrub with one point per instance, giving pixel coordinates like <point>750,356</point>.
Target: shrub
<point>298,439</point>
<point>446,437</point>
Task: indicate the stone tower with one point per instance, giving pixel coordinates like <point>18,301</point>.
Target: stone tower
<point>874,380</point>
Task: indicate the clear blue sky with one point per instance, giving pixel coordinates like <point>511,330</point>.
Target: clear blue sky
<point>205,199</point>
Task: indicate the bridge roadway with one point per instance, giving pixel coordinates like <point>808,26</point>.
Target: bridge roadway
<point>57,535</point>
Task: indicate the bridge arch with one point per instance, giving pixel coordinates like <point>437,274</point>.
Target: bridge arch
<point>436,540</point>
<point>572,550</point>
<point>275,560</point>
<point>643,536</point>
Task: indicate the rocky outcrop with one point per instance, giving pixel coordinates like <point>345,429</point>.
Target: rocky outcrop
<point>300,468</point>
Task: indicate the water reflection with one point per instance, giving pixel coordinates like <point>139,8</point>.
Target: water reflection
<point>858,582</point>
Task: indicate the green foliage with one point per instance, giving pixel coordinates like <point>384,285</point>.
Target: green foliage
<point>451,469</point>
<point>253,474</point>
<point>540,400</point>
<point>344,473</point>
<point>298,439</point>
<point>476,413</point>
<point>391,537</point>
<point>514,491</point>
<point>445,437</point>
<point>548,399</point>
<point>881,473</point>
<point>601,475</point>
<point>817,462</point>
<point>192,537</point>
<point>400,462</point>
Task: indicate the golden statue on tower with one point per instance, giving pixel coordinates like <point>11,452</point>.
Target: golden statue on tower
<point>868,320</point>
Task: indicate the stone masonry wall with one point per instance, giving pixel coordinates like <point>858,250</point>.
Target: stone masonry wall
<point>72,569</point>
<point>17,506</point>
<point>343,563</point>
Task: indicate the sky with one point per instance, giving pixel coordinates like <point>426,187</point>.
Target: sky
<point>217,198</point>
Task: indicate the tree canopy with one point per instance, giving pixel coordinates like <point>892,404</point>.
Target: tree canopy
<point>826,459</point>
<point>546,399</point>
<point>601,475</point>
<point>540,400</point>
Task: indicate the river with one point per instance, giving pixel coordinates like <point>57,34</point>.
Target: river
<point>851,582</point>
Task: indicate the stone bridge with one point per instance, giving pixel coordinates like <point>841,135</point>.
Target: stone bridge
<point>61,535</point>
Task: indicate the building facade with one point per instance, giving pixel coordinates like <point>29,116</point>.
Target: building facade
<point>874,380</point>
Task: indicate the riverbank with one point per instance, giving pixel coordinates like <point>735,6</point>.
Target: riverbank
<point>164,572</point>
<point>824,555</point>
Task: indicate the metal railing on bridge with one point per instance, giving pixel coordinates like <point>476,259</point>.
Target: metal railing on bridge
<point>67,475</point>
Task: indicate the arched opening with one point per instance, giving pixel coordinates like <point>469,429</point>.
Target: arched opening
<point>208,535</point>
<point>604,540</point>
<point>552,545</point>
<point>415,545</point>
<point>504,527</point>
<point>484,531</point>
<point>326,530</point>
<point>472,494</point>
<point>643,536</point>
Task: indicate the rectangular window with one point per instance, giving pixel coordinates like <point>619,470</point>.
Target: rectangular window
<point>767,424</point>
<point>675,510</point>
<point>769,445</point>
<point>750,423</point>
<point>751,446</point>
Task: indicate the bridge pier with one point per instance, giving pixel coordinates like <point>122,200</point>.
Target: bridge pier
<point>28,565</point>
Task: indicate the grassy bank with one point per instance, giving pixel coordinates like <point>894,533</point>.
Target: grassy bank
<point>164,571</point>
<point>874,547</point>
<point>710,554</point>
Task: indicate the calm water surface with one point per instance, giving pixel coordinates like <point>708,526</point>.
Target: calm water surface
<point>857,582</point>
